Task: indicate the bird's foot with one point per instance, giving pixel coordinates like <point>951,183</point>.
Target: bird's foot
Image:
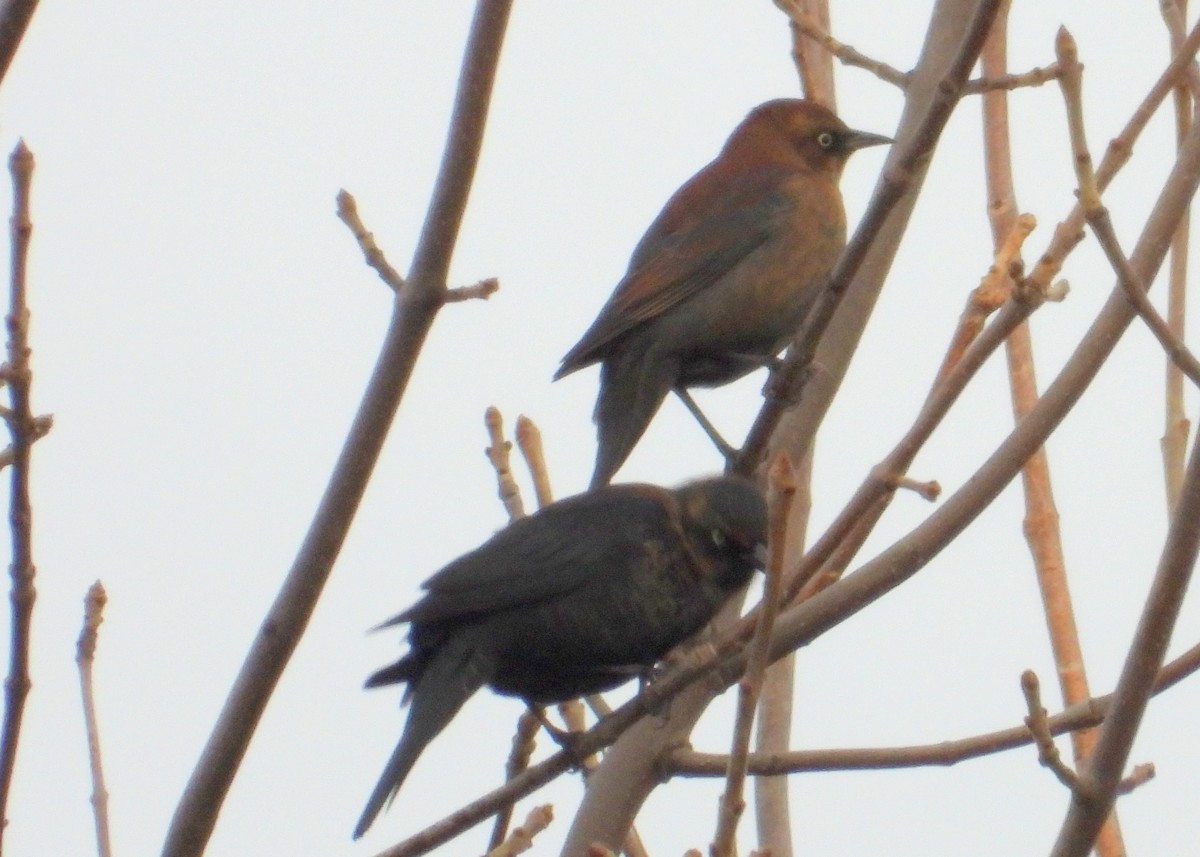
<point>564,738</point>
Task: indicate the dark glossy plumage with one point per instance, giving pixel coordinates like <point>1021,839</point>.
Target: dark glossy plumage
<point>726,273</point>
<point>575,599</point>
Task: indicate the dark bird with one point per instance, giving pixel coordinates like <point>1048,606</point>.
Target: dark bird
<point>575,599</point>
<point>723,278</point>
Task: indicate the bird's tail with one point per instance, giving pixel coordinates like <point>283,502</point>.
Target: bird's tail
<point>632,388</point>
<point>457,670</point>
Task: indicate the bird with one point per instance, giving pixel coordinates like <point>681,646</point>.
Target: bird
<point>577,598</point>
<point>724,276</point>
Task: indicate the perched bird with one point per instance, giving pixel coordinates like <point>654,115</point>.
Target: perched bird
<point>575,599</point>
<point>723,278</point>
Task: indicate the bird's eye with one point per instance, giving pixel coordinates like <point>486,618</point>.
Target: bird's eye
<point>825,140</point>
<point>718,538</point>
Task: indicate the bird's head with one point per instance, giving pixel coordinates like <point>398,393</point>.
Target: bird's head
<point>800,132</point>
<point>726,519</point>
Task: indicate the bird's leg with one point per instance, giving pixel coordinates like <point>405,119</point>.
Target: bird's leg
<point>564,738</point>
<point>722,445</point>
<point>770,362</point>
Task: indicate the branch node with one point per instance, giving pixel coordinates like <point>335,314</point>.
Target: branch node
<point>482,290</point>
<point>1139,776</point>
<point>498,454</point>
<point>1039,727</point>
<point>347,212</point>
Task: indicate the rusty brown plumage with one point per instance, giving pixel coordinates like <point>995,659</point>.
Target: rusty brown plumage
<point>724,276</point>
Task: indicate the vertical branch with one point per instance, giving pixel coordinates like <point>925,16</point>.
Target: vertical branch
<point>774,733</point>
<point>85,654</point>
<point>1042,530</point>
<point>1175,433</point>
<point>781,488</point>
<point>20,516</point>
<point>813,62</point>
<point>413,314</point>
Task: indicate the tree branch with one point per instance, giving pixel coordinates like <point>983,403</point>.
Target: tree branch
<point>20,516</point>
<point>414,310</point>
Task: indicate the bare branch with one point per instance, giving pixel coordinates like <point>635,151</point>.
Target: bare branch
<point>529,440</point>
<point>685,762</point>
<point>413,313</point>
<point>85,653</point>
<point>1041,524</point>
<point>347,212</point>
<point>1039,728</point>
<point>781,488</point>
<point>20,516</point>
<point>521,839</point>
<point>804,23</point>
<point>482,290</point>
<point>1098,218</point>
<point>1175,434</point>
<point>497,453</point>
<point>523,744</point>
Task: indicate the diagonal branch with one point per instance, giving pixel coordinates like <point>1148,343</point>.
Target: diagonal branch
<point>413,314</point>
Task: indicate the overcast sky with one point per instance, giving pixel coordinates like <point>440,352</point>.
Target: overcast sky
<point>203,326</point>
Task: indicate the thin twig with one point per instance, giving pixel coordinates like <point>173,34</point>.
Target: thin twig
<point>1069,232</point>
<point>991,293</point>
<point>41,428</point>
<point>20,516</point>
<point>685,762</point>
<point>497,452</point>
<point>347,212</point>
<point>523,744</point>
<point>1177,428</point>
<point>1098,218</point>
<point>1175,17</point>
<point>413,314</point>
<point>482,290</point>
<point>781,488</point>
<point>1039,727</point>
<point>804,23</point>
<point>85,655</point>
<point>529,441</point>
<point>521,839</point>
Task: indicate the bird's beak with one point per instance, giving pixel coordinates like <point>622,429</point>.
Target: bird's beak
<point>761,556</point>
<point>856,140</point>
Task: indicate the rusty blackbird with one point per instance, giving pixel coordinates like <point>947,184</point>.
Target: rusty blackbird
<point>724,276</point>
<point>575,599</point>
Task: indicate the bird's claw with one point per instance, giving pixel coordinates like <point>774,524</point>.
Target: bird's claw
<point>567,740</point>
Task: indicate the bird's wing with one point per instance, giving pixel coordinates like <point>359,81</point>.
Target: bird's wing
<point>705,230</point>
<point>547,554</point>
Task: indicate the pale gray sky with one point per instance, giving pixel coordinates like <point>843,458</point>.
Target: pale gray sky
<point>203,326</point>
